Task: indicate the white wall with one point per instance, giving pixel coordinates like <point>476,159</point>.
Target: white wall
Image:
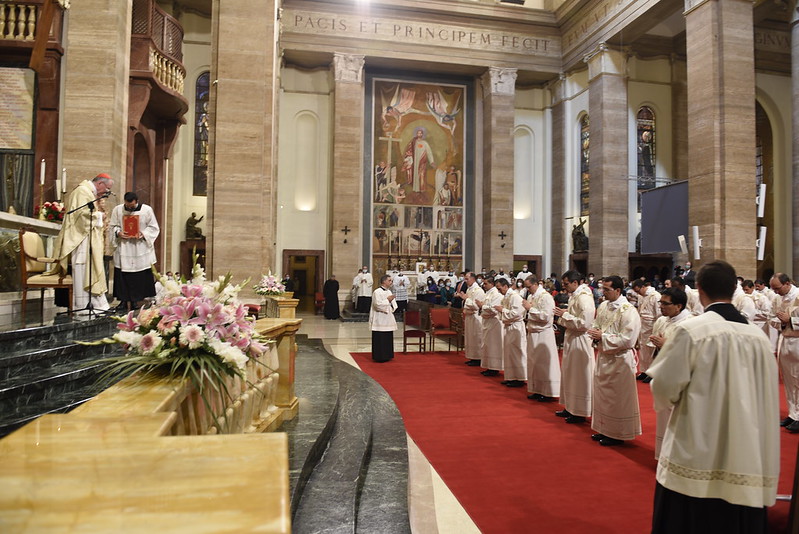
<point>532,174</point>
<point>774,94</point>
<point>304,155</point>
<point>649,85</point>
<point>181,202</point>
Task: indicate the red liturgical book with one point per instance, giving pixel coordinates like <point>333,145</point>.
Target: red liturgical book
<point>130,224</point>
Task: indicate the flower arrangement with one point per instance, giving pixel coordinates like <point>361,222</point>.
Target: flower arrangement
<point>197,329</point>
<point>50,211</point>
<point>269,285</point>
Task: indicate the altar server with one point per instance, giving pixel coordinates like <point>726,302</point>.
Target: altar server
<point>493,329</point>
<point>514,343</point>
<point>649,310</point>
<point>362,289</point>
<point>382,322</point>
<point>472,323</point>
<point>578,351</point>
<point>786,321</point>
<point>543,366</point>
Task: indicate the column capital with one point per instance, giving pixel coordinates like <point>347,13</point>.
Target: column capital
<point>557,88</point>
<point>347,67</point>
<point>605,60</point>
<point>499,81</point>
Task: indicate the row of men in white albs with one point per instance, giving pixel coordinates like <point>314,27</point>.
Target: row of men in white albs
<point>606,349</point>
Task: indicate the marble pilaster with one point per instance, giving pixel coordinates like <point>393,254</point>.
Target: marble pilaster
<point>608,210</point>
<point>347,187</point>
<point>95,107</point>
<point>559,236</point>
<point>679,121</point>
<point>721,131</point>
<point>499,87</point>
<point>795,128</point>
<point>242,196</point>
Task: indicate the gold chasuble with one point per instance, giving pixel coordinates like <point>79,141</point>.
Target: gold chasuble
<point>74,230</point>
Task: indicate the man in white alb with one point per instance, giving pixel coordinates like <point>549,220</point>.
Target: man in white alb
<point>134,254</point>
<point>472,323</point>
<point>543,366</point>
<point>362,287</point>
<point>493,329</point>
<point>615,417</point>
<point>786,321</point>
<point>399,286</point>
<point>514,342</point>
<point>672,304</point>
<point>694,307</point>
<point>649,310</point>
<point>720,460</point>
<point>577,370</point>
<point>382,322</point>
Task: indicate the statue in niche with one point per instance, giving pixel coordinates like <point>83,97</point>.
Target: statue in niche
<point>192,232</point>
<point>579,239</point>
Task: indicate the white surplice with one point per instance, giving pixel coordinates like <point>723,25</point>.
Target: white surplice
<point>134,255</point>
<point>381,314</point>
<point>789,348</point>
<point>578,353</point>
<point>744,304</point>
<point>694,305</point>
<point>664,326</point>
<point>649,310</point>
<point>472,323</point>
<point>722,439</point>
<point>543,366</point>
<point>493,331</point>
<point>363,284</point>
<point>615,397</point>
<point>514,344</point>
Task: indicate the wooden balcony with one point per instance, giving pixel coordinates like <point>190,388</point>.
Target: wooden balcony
<point>18,22</point>
<point>156,55</point>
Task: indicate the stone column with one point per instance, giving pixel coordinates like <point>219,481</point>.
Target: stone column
<point>499,87</point>
<point>559,249</point>
<point>795,129</point>
<point>242,195</point>
<point>679,118</point>
<point>95,107</point>
<point>609,122</point>
<point>721,130</point>
<point>347,188</point>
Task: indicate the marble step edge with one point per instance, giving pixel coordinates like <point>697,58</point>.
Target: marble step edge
<point>41,355</point>
<point>314,456</point>
<point>20,419</point>
<point>72,327</point>
<point>27,387</point>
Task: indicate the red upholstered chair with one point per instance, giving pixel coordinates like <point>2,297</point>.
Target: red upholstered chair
<point>253,309</point>
<point>318,302</point>
<point>412,330</point>
<point>440,327</point>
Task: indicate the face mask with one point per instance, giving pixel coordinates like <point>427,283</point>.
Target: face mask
<point>447,284</point>
<point>460,279</point>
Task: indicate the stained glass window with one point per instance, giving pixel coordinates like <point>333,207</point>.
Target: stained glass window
<point>585,175</point>
<point>201,135</point>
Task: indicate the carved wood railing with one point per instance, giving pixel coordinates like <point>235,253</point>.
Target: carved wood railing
<point>164,35</point>
<point>18,20</point>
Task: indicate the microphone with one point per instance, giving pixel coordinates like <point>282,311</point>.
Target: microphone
<point>107,194</point>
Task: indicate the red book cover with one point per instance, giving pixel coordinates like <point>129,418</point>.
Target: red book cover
<point>130,224</point>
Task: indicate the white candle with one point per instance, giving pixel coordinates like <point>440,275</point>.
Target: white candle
<point>41,176</point>
<point>64,180</point>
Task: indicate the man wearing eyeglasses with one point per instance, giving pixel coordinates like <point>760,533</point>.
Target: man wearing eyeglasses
<point>672,306</point>
<point>786,321</point>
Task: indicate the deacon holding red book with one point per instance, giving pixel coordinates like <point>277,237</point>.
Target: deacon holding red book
<point>134,230</point>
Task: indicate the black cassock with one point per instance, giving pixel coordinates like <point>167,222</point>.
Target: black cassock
<point>330,292</point>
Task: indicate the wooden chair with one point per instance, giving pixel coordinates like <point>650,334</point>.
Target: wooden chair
<point>32,265</point>
<point>318,302</point>
<point>413,318</point>
<point>440,326</point>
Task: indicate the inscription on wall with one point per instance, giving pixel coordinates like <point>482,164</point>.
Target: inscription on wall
<point>773,41</point>
<point>591,21</point>
<point>414,32</point>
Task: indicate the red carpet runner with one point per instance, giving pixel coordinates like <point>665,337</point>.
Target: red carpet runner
<point>514,466</point>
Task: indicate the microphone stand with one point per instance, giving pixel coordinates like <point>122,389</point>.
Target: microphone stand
<point>89,306</point>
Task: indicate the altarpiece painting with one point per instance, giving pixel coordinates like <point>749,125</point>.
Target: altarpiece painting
<point>418,143</point>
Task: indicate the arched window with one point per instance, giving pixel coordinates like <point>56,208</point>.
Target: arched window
<point>645,138</point>
<point>201,135</point>
<point>585,175</point>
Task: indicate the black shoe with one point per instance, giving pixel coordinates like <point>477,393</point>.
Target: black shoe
<point>647,380</point>
<point>787,421</point>
<point>793,427</point>
<point>489,372</point>
<point>597,437</point>
<point>640,376</point>
<point>534,396</point>
<point>473,363</point>
<point>610,442</point>
<point>542,398</point>
<point>575,419</point>
<point>563,413</point>
<point>515,383</point>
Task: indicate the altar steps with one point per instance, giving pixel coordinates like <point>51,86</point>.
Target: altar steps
<point>43,370</point>
<point>353,476</point>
